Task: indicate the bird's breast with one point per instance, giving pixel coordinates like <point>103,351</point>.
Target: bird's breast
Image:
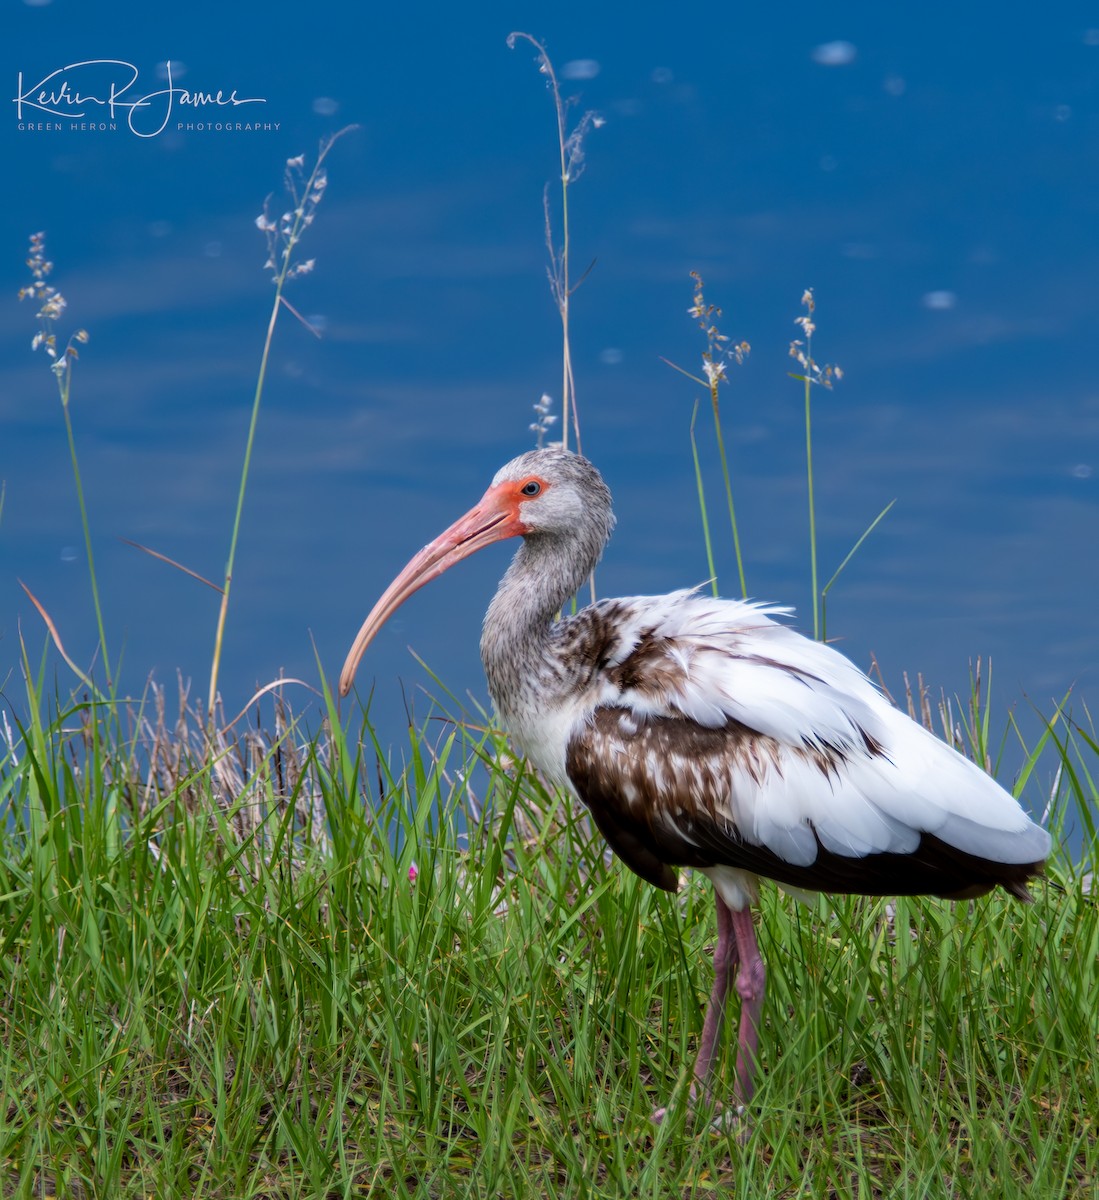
<point>542,733</point>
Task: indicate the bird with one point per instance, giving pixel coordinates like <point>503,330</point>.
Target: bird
<point>710,734</point>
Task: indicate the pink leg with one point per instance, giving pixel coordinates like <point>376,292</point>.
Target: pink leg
<point>736,944</point>
<point>725,960</point>
<point>751,982</point>
<point>726,956</point>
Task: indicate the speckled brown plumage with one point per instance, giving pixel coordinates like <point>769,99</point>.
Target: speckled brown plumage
<point>657,822</point>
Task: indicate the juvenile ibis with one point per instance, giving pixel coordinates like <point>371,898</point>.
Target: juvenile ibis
<point>705,733</point>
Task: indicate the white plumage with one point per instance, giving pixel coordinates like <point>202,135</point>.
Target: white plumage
<point>706,733</point>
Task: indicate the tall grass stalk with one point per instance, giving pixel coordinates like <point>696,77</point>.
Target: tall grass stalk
<point>727,479</point>
<point>720,353</point>
<point>815,375</point>
<point>283,235</point>
<point>65,384</point>
<point>570,145</point>
<point>840,569</point>
<point>703,512</point>
<point>802,350</point>
<point>814,589</point>
<point>51,306</point>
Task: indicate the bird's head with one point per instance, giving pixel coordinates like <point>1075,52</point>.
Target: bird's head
<point>553,492</point>
<point>542,494</point>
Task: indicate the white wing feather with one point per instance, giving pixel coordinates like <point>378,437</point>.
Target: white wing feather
<point>733,660</point>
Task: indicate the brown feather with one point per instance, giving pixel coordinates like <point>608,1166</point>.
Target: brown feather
<point>677,817</point>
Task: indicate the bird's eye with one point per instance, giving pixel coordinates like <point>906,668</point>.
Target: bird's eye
<point>531,488</point>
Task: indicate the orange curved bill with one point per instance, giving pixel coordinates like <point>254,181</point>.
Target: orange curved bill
<point>492,519</point>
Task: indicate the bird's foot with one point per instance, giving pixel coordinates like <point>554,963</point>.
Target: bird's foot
<point>732,1118</point>
<point>660,1113</point>
<point>721,1118</point>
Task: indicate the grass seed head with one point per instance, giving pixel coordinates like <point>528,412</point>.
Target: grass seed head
<point>544,419</point>
<point>51,307</point>
<point>823,375</point>
<point>720,349</point>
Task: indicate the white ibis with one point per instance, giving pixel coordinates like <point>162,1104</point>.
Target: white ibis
<point>704,733</point>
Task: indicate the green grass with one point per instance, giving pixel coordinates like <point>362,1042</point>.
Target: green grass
<point>227,985</point>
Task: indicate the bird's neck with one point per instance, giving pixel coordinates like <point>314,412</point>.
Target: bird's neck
<point>517,642</point>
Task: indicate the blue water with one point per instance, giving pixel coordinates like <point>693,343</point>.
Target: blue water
<point>936,183</point>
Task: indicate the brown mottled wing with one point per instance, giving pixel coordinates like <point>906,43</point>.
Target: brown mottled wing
<point>635,851</point>
<point>658,790</point>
